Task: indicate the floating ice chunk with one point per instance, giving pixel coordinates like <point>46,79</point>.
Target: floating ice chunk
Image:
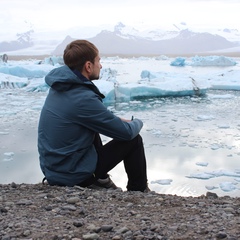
<point>8,156</point>
<point>224,126</point>
<point>228,80</point>
<point>202,164</point>
<point>4,133</point>
<point>205,61</point>
<point>226,173</point>
<point>8,81</point>
<point>29,71</point>
<point>107,88</point>
<point>193,145</point>
<point>201,175</point>
<point>178,62</point>
<point>161,87</point>
<point>204,117</point>
<point>211,187</point>
<point>155,132</point>
<point>54,60</point>
<point>162,57</point>
<point>162,181</point>
<point>212,174</point>
<point>215,146</point>
<point>212,61</point>
<point>145,74</point>
<point>108,74</point>
<point>37,85</point>
<point>228,186</point>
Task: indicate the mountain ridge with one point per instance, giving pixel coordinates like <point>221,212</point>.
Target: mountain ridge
<point>185,42</point>
<point>121,39</point>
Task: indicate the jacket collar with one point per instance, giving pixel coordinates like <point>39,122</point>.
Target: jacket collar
<point>79,74</point>
<point>92,85</point>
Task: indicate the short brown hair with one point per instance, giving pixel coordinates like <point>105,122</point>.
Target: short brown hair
<point>78,52</point>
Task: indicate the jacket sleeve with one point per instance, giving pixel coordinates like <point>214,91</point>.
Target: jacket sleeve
<point>96,117</point>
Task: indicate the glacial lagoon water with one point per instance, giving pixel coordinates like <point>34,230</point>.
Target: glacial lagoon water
<point>192,144</point>
<point>184,139</point>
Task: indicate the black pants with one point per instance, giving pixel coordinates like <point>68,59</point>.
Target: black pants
<point>130,152</point>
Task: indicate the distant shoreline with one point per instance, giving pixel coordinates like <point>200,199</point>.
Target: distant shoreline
<point>41,57</point>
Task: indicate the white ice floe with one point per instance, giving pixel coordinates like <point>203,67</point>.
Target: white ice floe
<point>162,181</point>
<point>225,80</point>
<point>212,61</point>
<point>224,172</point>
<point>204,117</point>
<point>228,186</point>
<point>202,164</point>
<point>213,174</point>
<point>211,187</point>
<point>8,81</point>
<point>204,61</point>
<point>162,84</point>
<point>201,175</point>
<point>8,156</point>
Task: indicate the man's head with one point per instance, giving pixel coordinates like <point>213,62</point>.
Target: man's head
<point>83,56</point>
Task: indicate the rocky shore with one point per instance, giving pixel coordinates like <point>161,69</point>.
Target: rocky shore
<point>36,211</point>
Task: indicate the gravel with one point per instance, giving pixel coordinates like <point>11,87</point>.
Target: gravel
<point>36,211</point>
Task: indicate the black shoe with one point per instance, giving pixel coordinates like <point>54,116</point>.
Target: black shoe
<point>106,183</point>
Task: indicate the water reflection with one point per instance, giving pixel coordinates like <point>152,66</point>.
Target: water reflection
<point>179,132</point>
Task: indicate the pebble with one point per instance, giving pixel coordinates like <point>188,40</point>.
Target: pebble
<point>107,228</point>
<point>91,236</point>
<point>73,200</point>
<point>69,207</point>
<point>78,223</point>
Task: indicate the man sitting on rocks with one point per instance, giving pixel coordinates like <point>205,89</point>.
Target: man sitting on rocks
<point>72,119</point>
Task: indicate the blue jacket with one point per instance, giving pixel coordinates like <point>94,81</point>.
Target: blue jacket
<point>72,113</point>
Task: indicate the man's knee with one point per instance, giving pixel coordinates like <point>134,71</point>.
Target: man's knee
<point>139,139</point>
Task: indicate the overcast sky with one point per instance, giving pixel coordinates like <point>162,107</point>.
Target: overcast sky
<point>45,15</point>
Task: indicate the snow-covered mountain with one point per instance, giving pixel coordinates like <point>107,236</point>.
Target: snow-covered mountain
<point>172,31</point>
<point>186,42</point>
<point>121,39</point>
<point>24,40</point>
<point>124,40</point>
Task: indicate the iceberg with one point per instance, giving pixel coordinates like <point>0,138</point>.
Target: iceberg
<point>8,81</point>
<point>221,61</point>
<point>212,61</point>
<point>161,84</point>
<point>226,80</point>
<point>29,70</point>
<point>178,62</point>
<point>53,60</point>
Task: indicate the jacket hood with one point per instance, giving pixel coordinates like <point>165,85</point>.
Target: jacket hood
<point>63,78</point>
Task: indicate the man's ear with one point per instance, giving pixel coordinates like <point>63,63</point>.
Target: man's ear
<point>88,66</point>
